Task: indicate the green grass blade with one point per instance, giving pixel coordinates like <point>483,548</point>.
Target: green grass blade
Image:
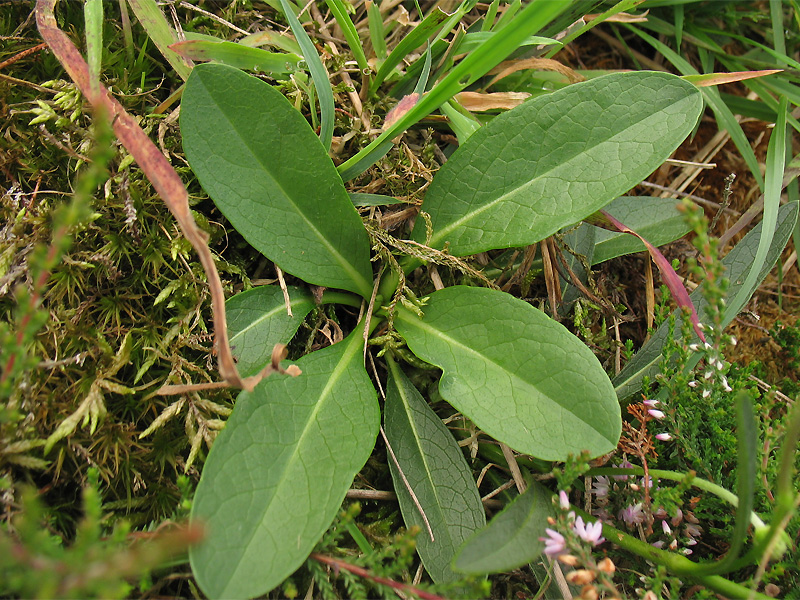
<point>532,18</point>
<point>377,34</point>
<point>318,74</point>
<point>93,17</point>
<point>339,11</point>
<point>776,159</point>
<point>509,14</point>
<point>239,56</point>
<point>491,14</point>
<point>152,20</point>
<point>413,40</point>
<point>724,116</point>
<point>621,6</point>
<point>776,16</point>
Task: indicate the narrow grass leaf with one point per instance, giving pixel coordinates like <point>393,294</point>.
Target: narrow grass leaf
<point>280,469</point>
<point>339,10</point>
<point>775,162</point>
<point>377,33</point>
<point>415,38</point>
<point>239,56</point>
<point>511,539</point>
<point>738,263</point>
<point>556,159</point>
<point>272,179</point>
<point>93,18</point>
<point>155,24</point>
<point>519,375</point>
<point>532,18</point>
<point>725,117</point>
<point>318,74</point>
<point>258,319</point>
<point>656,219</point>
<point>436,471</point>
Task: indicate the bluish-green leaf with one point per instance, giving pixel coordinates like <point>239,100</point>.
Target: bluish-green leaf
<point>280,469</point>
<point>520,376</point>
<point>267,172</point>
<point>257,320</point>
<point>656,219</point>
<point>556,159</point>
<point>511,538</point>
<point>738,263</point>
<point>436,471</point>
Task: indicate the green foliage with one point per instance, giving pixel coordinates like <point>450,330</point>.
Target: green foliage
<point>36,563</point>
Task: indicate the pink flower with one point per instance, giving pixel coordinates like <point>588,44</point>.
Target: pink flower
<point>664,437</point>
<point>563,500</point>
<point>632,515</point>
<point>591,532</point>
<point>554,543</point>
<point>625,464</point>
<point>655,413</point>
<point>600,486</point>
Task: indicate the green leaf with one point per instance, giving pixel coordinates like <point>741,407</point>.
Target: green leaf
<point>238,56</point>
<point>520,376</point>
<point>278,472</point>
<point>257,320</point>
<point>267,172</point>
<point>511,539</point>
<point>738,263</point>
<point>158,29</point>
<point>556,159</point>
<point>318,73</point>
<point>656,219</point>
<point>436,471</point>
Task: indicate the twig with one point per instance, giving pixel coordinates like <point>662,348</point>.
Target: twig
<point>158,170</point>
<point>395,585</point>
<point>407,485</point>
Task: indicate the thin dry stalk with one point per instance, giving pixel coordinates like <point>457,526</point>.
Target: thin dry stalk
<point>155,166</point>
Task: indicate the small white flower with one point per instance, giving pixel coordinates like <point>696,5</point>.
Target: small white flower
<point>693,384</point>
<point>666,528</point>
<point>706,393</point>
<point>694,347</point>
<point>664,437</point>
<point>655,413</point>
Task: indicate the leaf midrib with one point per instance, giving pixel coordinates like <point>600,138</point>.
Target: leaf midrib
<point>336,374</point>
<point>266,316</point>
<point>478,211</point>
<point>404,315</point>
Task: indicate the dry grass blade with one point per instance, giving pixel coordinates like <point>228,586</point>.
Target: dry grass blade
<point>157,169</point>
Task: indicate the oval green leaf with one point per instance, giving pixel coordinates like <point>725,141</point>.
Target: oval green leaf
<point>258,319</point>
<point>436,471</point>
<point>267,172</point>
<point>520,376</point>
<point>511,539</point>
<point>556,159</point>
<point>280,469</point>
<point>657,220</point>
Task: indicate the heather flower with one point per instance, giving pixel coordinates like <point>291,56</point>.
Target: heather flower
<point>625,464</point>
<point>632,515</point>
<point>563,500</point>
<point>666,528</point>
<point>656,414</point>
<point>554,543</point>
<point>650,403</point>
<point>664,437</point>
<point>601,486</point>
<point>589,532</point>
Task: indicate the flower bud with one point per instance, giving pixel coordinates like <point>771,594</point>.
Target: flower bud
<point>607,566</point>
<point>580,577</point>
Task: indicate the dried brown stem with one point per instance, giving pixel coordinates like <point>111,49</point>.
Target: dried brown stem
<point>157,169</point>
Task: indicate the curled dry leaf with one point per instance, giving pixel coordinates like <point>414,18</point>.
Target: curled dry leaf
<point>481,101</point>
